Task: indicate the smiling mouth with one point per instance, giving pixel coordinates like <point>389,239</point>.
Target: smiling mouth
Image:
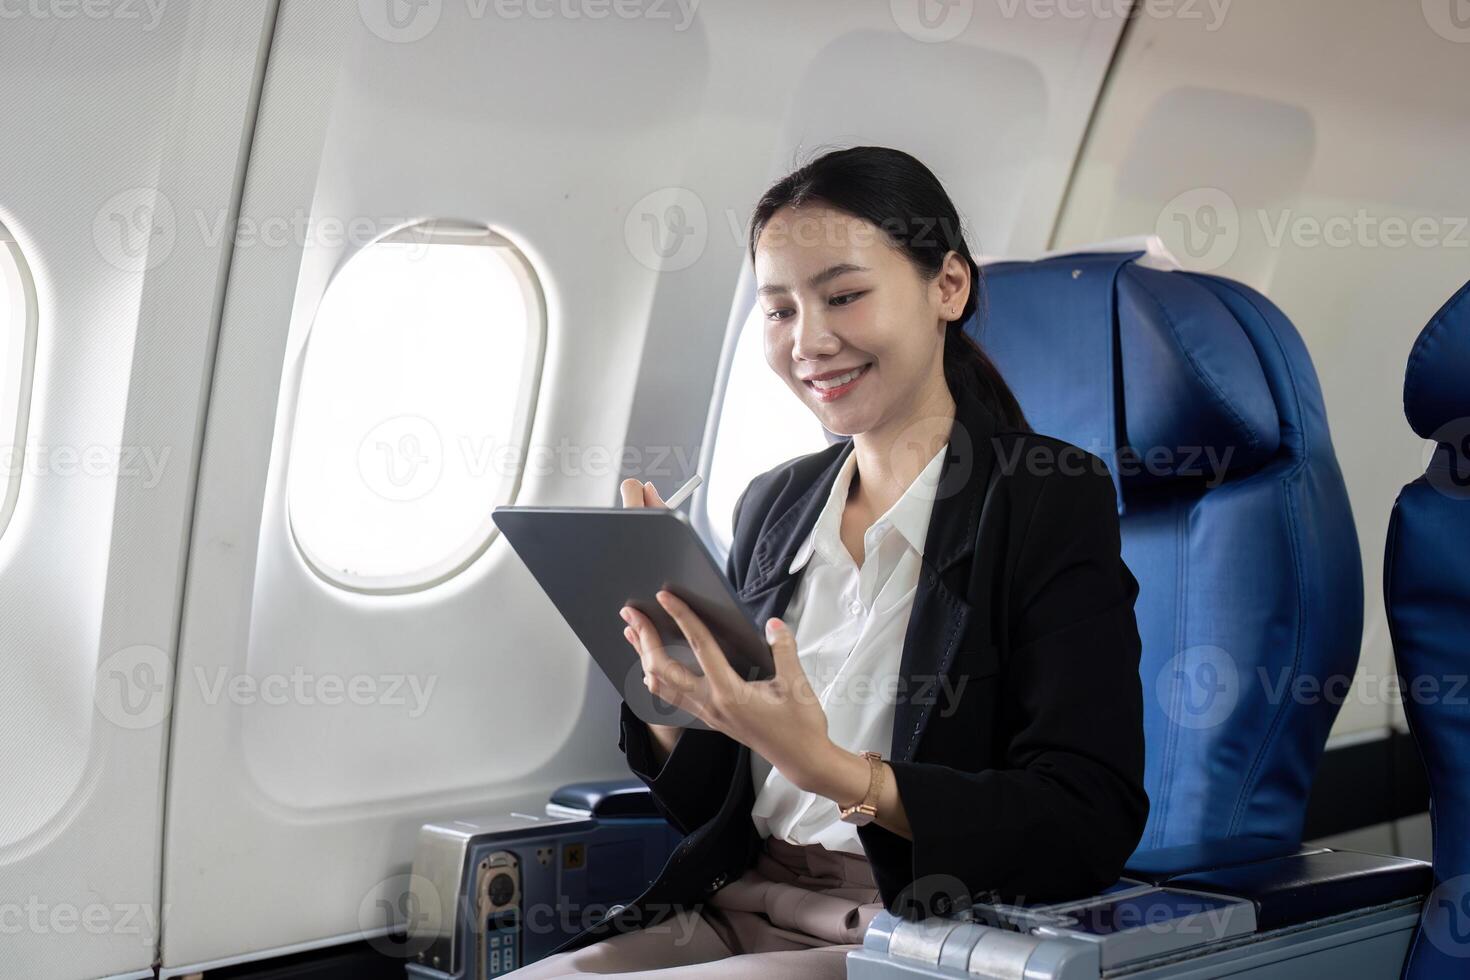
<point>830,388</point>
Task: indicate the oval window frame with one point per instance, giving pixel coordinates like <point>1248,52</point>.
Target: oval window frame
<point>429,232</point>
<point>17,377</point>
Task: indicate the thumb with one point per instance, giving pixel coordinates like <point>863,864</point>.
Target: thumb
<point>783,651</point>
<point>651,497</point>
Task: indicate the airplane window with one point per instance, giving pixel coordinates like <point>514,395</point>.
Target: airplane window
<point>414,404</point>
<point>17,346</point>
<point>761,424</point>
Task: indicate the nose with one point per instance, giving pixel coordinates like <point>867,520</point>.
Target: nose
<point>811,338</point>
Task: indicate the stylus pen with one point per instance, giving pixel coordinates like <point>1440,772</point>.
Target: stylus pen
<point>683,492</point>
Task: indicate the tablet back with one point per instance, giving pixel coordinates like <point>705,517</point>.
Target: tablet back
<point>591,561</point>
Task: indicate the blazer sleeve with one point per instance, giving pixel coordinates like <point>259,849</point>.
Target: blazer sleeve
<point>1066,809</point>
<point>694,780</point>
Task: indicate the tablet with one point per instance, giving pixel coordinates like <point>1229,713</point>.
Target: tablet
<point>592,561</point>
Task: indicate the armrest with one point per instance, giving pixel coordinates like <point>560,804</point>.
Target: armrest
<point>610,799</point>
<point>1313,885</point>
<point>1161,864</point>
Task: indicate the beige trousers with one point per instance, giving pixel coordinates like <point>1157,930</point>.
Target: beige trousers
<point>795,914</point>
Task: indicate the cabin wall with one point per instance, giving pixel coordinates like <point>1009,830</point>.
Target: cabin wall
<point>120,210</point>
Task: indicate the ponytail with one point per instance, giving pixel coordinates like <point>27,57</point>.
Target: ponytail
<point>967,366</point>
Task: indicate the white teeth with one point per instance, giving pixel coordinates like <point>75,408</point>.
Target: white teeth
<point>838,381</point>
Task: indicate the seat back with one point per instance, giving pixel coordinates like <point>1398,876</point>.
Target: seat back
<point>1201,399</point>
<point>1426,588</point>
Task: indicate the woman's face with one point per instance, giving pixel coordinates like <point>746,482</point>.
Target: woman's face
<point>839,298</point>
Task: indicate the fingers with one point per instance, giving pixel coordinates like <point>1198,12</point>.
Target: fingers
<point>783,650</point>
<point>712,660</point>
<point>790,674</point>
<point>662,674</point>
<point>636,493</point>
<point>632,491</point>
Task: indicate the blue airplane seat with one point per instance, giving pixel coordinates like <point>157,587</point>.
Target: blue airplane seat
<point>1200,398</point>
<point>1426,588</point>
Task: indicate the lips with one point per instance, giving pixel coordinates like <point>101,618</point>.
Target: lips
<point>834,384</point>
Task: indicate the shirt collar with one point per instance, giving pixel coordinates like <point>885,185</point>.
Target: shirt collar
<point>909,514</point>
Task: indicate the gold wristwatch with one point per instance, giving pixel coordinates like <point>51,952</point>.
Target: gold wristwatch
<point>867,811</point>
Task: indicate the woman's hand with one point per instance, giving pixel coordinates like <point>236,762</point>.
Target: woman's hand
<point>780,718</point>
<point>637,494</point>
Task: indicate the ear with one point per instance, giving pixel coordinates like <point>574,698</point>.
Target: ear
<point>953,283</point>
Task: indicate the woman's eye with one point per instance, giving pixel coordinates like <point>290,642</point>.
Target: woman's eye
<point>777,314</point>
<point>846,298</point>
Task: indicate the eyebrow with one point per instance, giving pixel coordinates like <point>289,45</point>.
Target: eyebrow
<point>831,272</point>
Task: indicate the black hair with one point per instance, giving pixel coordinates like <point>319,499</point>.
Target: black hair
<point>902,197</point>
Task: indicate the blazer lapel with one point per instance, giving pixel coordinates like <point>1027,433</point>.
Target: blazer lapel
<point>942,611</point>
<point>769,590</point>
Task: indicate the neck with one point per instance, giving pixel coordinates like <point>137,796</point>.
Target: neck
<point>890,456</point>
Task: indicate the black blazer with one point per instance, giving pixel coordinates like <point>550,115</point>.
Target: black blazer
<point>1018,732</point>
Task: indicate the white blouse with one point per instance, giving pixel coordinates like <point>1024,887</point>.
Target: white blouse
<point>849,624</point>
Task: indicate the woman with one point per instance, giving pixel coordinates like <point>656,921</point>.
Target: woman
<point>956,713</point>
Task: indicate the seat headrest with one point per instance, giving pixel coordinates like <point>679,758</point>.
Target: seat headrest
<point>1437,380</point>
<point>1191,378</point>
<point>1144,367</point>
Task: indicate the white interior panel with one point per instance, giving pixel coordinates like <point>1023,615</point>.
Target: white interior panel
<point>290,818</point>
<point>1317,151</point>
<point>120,213</point>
